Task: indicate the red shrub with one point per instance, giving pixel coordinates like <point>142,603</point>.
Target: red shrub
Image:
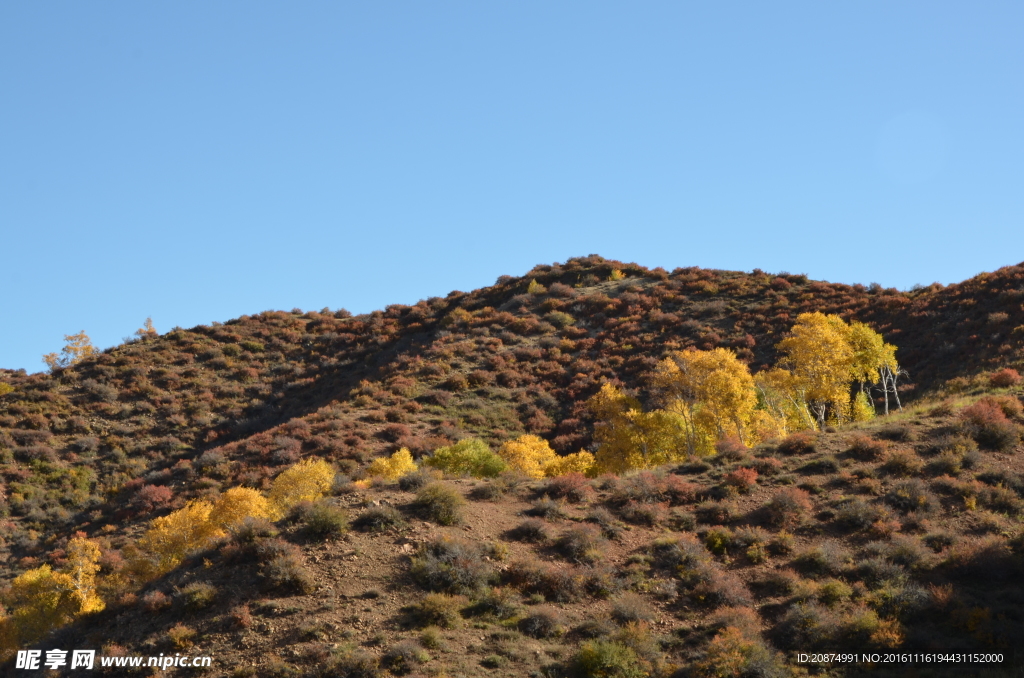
<point>731,448</point>
<point>983,413</point>
<point>679,491</point>
<point>151,497</point>
<point>574,486</point>
<point>1004,378</point>
<point>742,479</point>
<point>154,601</point>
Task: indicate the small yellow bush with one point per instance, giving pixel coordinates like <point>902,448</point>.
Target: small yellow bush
<point>308,480</point>
<point>529,454</point>
<point>237,504</point>
<point>578,462</point>
<point>394,467</point>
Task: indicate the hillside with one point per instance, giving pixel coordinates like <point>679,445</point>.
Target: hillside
<point>200,410</point>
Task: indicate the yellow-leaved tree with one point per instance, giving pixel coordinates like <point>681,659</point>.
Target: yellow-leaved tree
<point>820,355</point>
<point>629,438</point>
<point>171,538</point>
<point>713,392</point>
<point>308,480</point>
<point>825,356</point>
<point>577,462</point>
<point>528,454</point>
<point>782,395</point>
<point>41,600</point>
<point>236,504</point>
<point>77,348</point>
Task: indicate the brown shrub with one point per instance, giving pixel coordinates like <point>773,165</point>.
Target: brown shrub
<point>644,514</point>
<point>866,448</point>
<point>581,543</point>
<point>632,607</point>
<point>731,449</point>
<point>1004,378</point>
<point>788,506</point>
<point>798,443</point>
<point>986,422</point>
<point>452,566</point>
<point>575,487</point>
<point>557,583</point>
<point>531,530</point>
<point>902,463</point>
<point>767,466</point>
<point>542,622</point>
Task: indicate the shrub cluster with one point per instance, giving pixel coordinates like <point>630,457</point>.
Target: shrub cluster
<point>452,566</point>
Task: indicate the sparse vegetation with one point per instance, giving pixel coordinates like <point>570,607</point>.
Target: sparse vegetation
<point>197,462</point>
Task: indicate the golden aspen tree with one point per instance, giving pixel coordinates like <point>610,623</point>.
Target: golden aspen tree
<point>529,454</point>
<point>629,438</point>
<point>783,396</point>
<point>147,331</point>
<point>236,504</point>
<point>83,557</point>
<point>172,537</point>
<point>870,354</point>
<point>78,347</point>
<point>712,390</point>
<point>577,462</point>
<point>42,600</point>
<point>821,356</point>
<point>308,480</point>
<point>394,467</point>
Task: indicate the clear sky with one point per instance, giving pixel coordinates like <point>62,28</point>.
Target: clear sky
<point>198,161</point>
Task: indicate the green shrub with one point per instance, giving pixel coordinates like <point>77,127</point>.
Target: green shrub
<point>498,602</point>
<point>607,659</point>
<point>439,609</point>
<point>542,622</point>
<point>198,595</point>
<point>581,543</point>
<point>452,566</point>
<point>902,463</point>
<point>324,520</point>
<point>403,657</point>
<point>829,557</point>
<point>834,591</point>
<point>911,495</point>
<point>559,319</point>
<point>441,503</point>
<point>547,508</point>
<point>531,530</point>
<point>468,457</point>
<point>632,607</point>
<point>857,514</point>
<point>718,540</point>
<point>378,519</point>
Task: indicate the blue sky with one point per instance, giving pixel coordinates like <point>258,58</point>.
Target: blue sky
<point>197,161</point>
